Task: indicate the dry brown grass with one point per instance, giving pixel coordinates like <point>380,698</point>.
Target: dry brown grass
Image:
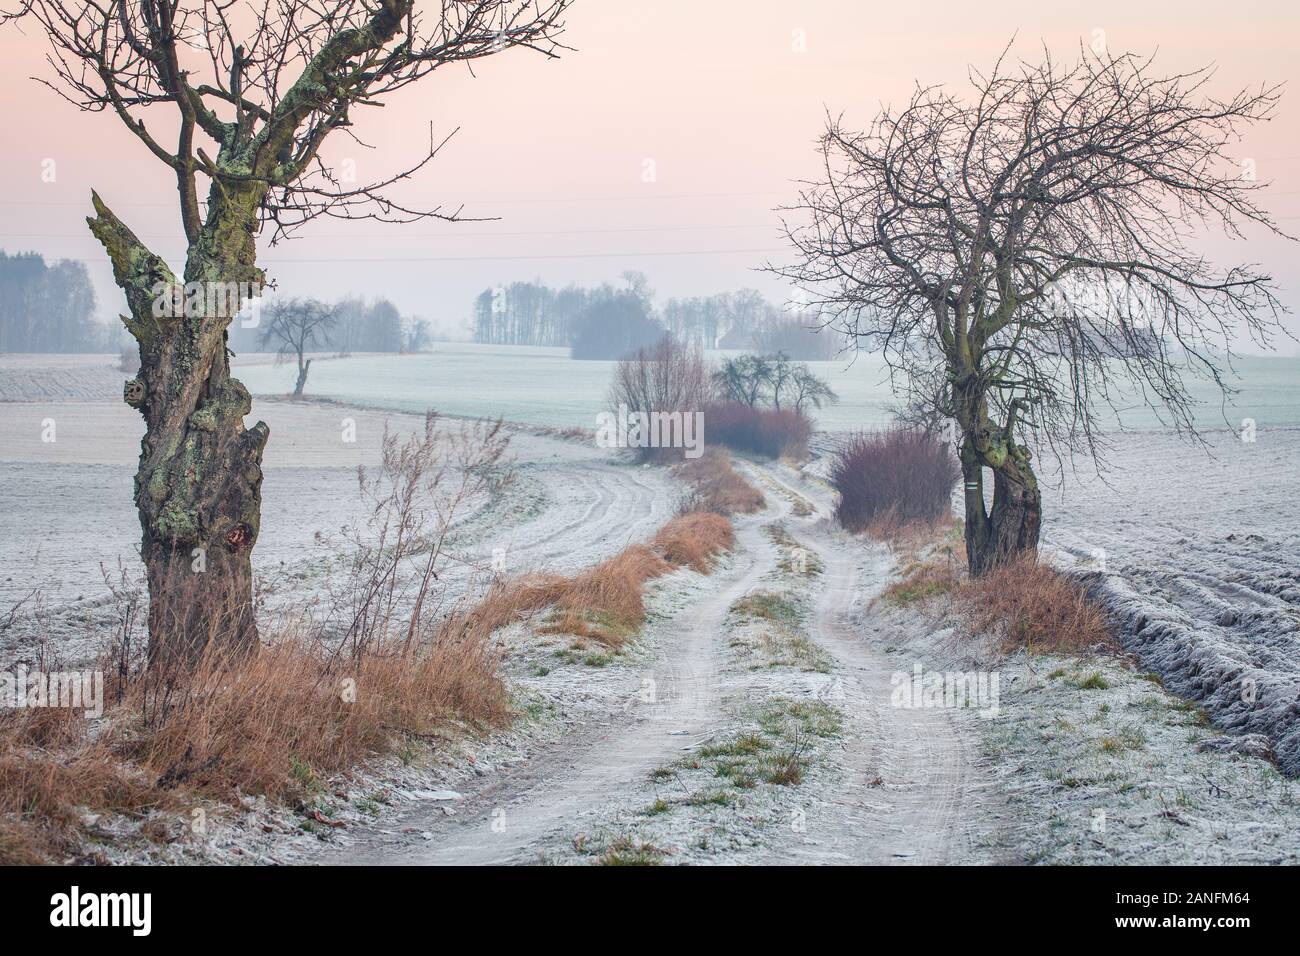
<point>50,771</point>
<point>1034,607</point>
<point>923,580</point>
<point>1025,605</point>
<point>605,603</point>
<point>265,723</point>
<point>695,539</point>
<point>272,723</point>
<point>718,487</point>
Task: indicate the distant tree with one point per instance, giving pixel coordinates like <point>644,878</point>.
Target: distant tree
<point>417,335</point>
<point>349,334</point>
<point>294,327</point>
<point>754,380</point>
<point>48,307</point>
<point>665,377</point>
<point>383,328</point>
<point>780,370</point>
<point>614,326</point>
<point>527,313</point>
<point>807,389</point>
<point>744,379</point>
<point>799,336</point>
<point>638,284</point>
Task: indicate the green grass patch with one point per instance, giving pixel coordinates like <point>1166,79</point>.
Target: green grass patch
<point>1093,681</point>
<point>767,606</point>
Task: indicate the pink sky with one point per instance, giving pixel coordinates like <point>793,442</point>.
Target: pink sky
<point>716,94</point>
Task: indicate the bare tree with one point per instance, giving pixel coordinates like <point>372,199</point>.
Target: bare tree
<point>296,327</point>
<point>249,93</point>
<point>1030,248</point>
<point>780,370</point>
<point>807,389</point>
<point>667,377</point>
<point>744,379</point>
<point>417,335</point>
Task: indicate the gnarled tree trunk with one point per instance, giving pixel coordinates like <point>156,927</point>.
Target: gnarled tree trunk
<point>269,105</point>
<point>1010,529</point>
<point>198,485</point>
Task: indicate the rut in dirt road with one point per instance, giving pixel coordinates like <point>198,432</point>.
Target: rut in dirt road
<point>514,819</point>
<point>895,786</point>
<point>909,789</point>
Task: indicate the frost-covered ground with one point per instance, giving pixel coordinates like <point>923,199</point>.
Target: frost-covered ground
<point>1197,551</point>
<point>1091,760</point>
<point>1097,763</point>
<point>1202,567</point>
<point>1201,551</point>
<point>66,510</point>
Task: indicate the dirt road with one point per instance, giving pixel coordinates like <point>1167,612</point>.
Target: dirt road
<point>891,786</point>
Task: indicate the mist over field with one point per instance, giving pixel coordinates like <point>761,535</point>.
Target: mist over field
<point>860,442</point>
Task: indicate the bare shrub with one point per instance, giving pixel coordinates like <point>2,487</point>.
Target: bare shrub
<point>414,496</point>
<point>666,377</point>
<point>893,478</point>
<point>770,432</point>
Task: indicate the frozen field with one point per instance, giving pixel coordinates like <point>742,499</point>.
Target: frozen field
<point>543,386</point>
<point>67,510</point>
<point>1200,557</point>
<point>1200,553</point>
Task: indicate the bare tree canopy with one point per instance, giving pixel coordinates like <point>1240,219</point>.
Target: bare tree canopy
<point>294,327</point>
<point>1025,252</point>
<point>267,82</point>
<point>239,95</point>
<point>752,379</point>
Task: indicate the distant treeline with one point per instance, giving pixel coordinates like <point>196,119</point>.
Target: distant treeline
<point>608,321</point>
<point>360,326</point>
<point>49,307</point>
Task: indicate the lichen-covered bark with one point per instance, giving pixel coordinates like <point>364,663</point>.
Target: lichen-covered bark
<point>1011,528</point>
<point>198,484</point>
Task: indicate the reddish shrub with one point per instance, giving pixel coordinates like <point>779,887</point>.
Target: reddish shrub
<point>893,478</point>
<point>771,432</point>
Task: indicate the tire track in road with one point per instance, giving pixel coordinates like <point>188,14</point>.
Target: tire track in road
<point>516,816</point>
<point>908,790</point>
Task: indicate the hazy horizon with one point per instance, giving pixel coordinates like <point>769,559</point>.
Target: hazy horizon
<point>725,101</point>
